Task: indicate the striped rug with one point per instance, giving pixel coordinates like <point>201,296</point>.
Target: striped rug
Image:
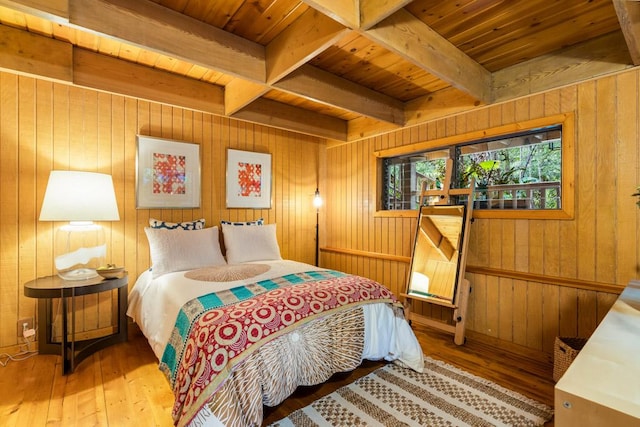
<point>441,396</point>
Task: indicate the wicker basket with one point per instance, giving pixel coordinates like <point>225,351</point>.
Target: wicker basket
<point>565,350</point>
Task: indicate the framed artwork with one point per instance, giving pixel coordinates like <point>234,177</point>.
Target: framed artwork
<point>167,174</point>
<point>248,179</point>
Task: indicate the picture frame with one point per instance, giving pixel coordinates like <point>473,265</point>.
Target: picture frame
<point>248,179</point>
<point>167,174</point>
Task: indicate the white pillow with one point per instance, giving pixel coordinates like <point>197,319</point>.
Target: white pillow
<point>244,244</point>
<point>179,250</point>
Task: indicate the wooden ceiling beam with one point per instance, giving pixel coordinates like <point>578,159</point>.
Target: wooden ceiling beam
<point>374,11</point>
<point>414,41</point>
<point>358,14</point>
<point>283,116</point>
<point>159,29</point>
<point>437,105</point>
<point>51,10</point>
<point>604,55</point>
<point>345,12</point>
<point>239,93</point>
<point>113,75</point>
<point>326,88</point>
<point>304,39</point>
<point>31,54</point>
<point>629,17</point>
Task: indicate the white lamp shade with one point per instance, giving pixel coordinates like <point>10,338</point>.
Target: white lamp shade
<point>79,196</point>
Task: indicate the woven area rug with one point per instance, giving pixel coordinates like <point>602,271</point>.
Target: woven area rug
<point>441,396</point>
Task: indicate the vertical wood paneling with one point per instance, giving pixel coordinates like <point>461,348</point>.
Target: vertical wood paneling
<point>520,325</point>
<point>585,182</point>
<point>26,185</point>
<point>505,313</point>
<point>9,202</point>
<point>534,315</point>
<point>536,246</point>
<point>49,126</point>
<point>550,318</point>
<point>600,244</point>
<point>568,310</point>
<point>605,200</point>
<point>493,316</point>
<point>628,151</point>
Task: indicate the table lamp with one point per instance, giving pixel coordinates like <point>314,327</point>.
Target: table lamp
<point>81,198</point>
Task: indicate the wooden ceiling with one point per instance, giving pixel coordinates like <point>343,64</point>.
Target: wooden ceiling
<point>338,69</point>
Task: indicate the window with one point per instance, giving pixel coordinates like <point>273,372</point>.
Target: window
<point>517,172</point>
<point>405,175</point>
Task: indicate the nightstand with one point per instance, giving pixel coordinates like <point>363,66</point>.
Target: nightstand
<point>72,351</point>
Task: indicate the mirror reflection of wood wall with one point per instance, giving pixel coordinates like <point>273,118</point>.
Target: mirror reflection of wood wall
<point>436,253</point>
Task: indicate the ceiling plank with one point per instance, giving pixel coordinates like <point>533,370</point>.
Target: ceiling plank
<point>239,93</point>
<point>374,11</point>
<point>604,55</point>
<point>148,25</point>
<point>344,11</point>
<point>35,55</point>
<point>629,16</point>
<point>283,116</point>
<point>308,36</point>
<point>113,75</point>
<point>324,87</point>
<point>408,37</point>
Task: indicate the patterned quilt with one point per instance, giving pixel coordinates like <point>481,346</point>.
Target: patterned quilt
<point>215,333</point>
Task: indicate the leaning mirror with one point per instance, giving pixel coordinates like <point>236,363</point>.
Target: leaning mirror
<point>436,253</point>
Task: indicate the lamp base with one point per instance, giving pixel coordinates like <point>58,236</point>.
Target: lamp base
<point>80,248</point>
<point>78,274</point>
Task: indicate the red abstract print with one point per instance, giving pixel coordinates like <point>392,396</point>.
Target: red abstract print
<point>169,174</point>
<point>249,179</point>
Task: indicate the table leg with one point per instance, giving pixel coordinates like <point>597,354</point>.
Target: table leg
<point>122,313</point>
<point>63,344</point>
<point>73,329</point>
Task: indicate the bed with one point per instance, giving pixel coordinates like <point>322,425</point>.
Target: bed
<point>238,332</point>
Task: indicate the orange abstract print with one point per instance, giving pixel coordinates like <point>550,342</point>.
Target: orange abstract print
<point>169,174</point>
<point>249,179</point>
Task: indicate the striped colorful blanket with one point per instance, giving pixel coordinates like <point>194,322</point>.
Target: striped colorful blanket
<point>216,332</point>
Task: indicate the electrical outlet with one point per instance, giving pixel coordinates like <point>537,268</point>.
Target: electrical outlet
<point>21,322</point>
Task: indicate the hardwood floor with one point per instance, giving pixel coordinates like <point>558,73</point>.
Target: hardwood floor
<point>122,386</point>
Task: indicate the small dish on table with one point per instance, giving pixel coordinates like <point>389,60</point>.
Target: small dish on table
<point>110,271</point>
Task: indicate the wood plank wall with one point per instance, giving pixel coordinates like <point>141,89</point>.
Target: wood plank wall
<point>599,247</point>
<point>45,126</point>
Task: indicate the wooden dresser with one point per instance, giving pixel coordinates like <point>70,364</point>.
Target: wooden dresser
<point>602,385</point>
